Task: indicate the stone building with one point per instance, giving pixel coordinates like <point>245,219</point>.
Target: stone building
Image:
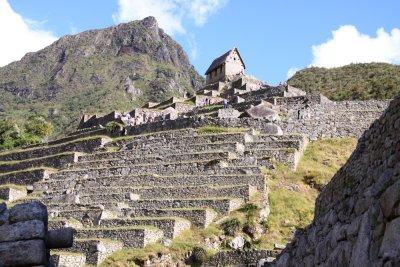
<point>225,66</point>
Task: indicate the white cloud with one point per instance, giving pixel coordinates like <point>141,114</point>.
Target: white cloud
<point>192,46</point>
<point>170,14</point>
<point>350,46</point>
<point>201,9</point>
<point>19,36</point>
<point>291,72</point>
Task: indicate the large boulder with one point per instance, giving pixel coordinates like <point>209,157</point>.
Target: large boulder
<point>261,111</point>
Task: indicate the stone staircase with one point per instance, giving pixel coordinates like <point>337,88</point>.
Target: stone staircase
<point>135,190</point>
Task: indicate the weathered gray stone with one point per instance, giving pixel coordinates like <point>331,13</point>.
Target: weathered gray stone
<point>25,230</point>
<point>365,195</point>
<point>390,247</point>
<point>28,211</point>
<point>23,253</point>
<point>3,207</point>
<point>262,112</point>
<point>390,198</point>
<point>61,238</point>
<point>279,246</point>
<point>237,242</point>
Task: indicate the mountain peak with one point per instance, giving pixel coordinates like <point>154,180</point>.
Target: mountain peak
<point>150,22</point>
<point>118,67</point>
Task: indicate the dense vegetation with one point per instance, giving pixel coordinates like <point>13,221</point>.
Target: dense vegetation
<point>31,131</point>
<point>354,81</point>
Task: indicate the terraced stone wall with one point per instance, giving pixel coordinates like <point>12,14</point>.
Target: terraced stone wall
<point>240,257</point>
<point>331,119</point>
<point>56,161</point>
<point>357,215</point>
<point>86,145</point>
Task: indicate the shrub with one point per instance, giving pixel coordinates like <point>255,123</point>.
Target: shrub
<point>32,131</point>
<point>114,128</point>
<point>231,226</point>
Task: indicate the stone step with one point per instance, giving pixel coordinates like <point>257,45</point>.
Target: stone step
<point>62,258</point>
<point>26,177</point>
<point>191,168</point>
<point>131,236</point>
<point>95,250</point>
<point>140,159</point>
<point>184,140</point>
<point>273,137</point>
<point>257,180</point>
<point>165,150</point>
<point>265,162</point>
<point>54,161</point>
<point>86,145</point>
<point>122,194</point>
<point>169,134</point>
<point>199,217</point>
<point>221,205</point>
<point>10,193</point>
<point>171,226</point>
<point>72,137</point>
<point>59,223</point>
<point>289,157</point>
<point>293,144</point>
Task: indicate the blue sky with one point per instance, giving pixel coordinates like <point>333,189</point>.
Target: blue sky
<point>274,37</point>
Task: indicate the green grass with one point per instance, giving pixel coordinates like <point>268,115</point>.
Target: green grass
<point>291,209</point>
<point>13,186</point>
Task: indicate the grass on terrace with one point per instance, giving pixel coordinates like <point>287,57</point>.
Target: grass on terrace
<point>290,209</point>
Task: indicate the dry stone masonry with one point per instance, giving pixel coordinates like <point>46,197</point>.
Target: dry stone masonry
<point>24,238</point>
<point>187,161</point>
<point>357,215</point>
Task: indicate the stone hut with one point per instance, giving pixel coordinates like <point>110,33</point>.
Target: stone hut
<point>225,66</point>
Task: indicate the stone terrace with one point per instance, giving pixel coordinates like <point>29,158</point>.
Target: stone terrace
<point>138,189</point>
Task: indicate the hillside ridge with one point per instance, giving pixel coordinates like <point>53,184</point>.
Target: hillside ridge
<point>362,81</point>
<point>117,67</point>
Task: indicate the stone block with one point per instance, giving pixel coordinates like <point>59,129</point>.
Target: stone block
<point>23,230</point>
<point>389,199</point>
<point>60,238</point>
<point>23,253</point>
<point>390,247</point>
<point>96,251</point>
<point>132,237</point>
<point>11,194</point>
<point>68,259</point>
<point>28,211</point>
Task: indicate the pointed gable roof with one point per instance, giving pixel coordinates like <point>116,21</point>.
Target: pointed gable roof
<point>222,59</point>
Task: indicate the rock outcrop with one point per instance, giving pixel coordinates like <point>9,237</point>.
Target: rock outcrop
<point>357,215</point>
<point>115,67</point>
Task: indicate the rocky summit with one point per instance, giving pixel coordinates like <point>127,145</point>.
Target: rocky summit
<point>118,67</point>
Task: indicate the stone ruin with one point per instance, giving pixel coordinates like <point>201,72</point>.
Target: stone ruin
<point>24,238</point>
<point>357,215</point>
<point>290,108</point>
<point>183,163</point>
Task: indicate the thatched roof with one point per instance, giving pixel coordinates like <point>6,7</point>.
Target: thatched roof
<point>222,59</point>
